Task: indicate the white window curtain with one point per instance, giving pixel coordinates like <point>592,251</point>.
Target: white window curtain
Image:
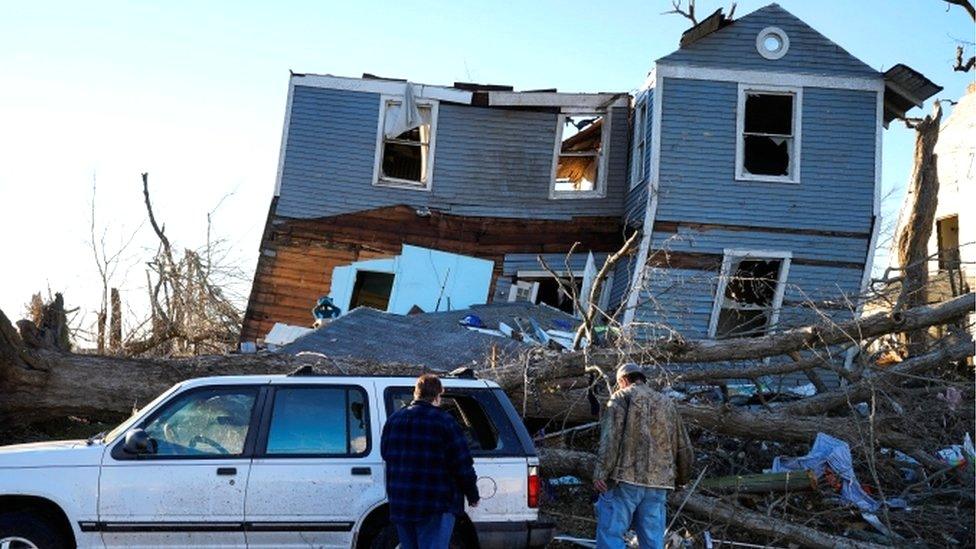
<point>405,116</point>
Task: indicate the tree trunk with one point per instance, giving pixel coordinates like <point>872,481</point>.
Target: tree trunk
<point>913,242</point>
<point>915,366</point>
<point>115,327</point>
<point>39,384</point>
<point>796,339</point>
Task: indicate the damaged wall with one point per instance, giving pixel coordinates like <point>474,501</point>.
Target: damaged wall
<point>298,256</point>
<point>824,220</point>
<point>489,196</point>
<point>803,198</point>
<point>836,188</point>
<point>490,162</point>
<point>429,279</point>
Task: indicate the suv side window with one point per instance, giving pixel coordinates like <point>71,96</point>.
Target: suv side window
<point>484,423</point>
<point>318,421</point>
<point>209,422</point>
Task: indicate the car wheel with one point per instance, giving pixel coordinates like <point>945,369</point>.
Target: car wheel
<point>388,539</point>
<point>20,530</point>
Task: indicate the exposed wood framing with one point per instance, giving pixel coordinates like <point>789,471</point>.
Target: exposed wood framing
<point>298,255</point>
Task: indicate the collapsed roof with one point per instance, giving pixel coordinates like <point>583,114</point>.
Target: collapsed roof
<point>435,340</point>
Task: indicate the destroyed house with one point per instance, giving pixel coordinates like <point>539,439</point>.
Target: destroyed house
<point>750,162</point>
<point>755,178</point>
<point>406,197</point>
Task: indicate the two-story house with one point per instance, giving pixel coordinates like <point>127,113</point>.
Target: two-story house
<point>404,196</point>
<point>755,178</point>
<point>750,160</point>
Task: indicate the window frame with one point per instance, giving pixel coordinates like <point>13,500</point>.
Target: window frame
<point>118,452</point>
<point>724,275</point>
<point>533,277</point>
<point>637,172</point>
<point>261,443</point>
<point>796,150</point>
<point>600,191</point>
<point>379,180</point>
<point>496,413</point>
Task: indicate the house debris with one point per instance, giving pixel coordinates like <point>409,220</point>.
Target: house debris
<point>448,343</point>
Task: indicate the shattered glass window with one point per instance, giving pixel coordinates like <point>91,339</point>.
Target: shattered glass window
<point>206,422</point>
<point>578,165</point>
<point>767,140</point>
<point>406,155</point>
<point>749,298</point>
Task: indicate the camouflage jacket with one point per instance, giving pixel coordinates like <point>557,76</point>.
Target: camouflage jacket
<point>643,440</point>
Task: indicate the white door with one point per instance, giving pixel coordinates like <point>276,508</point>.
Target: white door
<point>316,470</point>
<point>189,492</point>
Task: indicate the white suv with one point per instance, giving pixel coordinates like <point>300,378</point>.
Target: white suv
<point>262,461</point>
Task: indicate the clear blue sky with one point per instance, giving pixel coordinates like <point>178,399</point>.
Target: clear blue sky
<point>194,94</point>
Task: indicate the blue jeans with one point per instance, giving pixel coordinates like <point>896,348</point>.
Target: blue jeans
<point>433,533</point>
<point>626,506</point>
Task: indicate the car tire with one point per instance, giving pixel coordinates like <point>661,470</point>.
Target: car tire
<point>26,530</point>
<point>387,538</point>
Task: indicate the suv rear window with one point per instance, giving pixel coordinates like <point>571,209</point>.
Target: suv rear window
<point>484,422</point>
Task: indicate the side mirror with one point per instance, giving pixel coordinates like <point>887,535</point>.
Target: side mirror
<point>139,442</point>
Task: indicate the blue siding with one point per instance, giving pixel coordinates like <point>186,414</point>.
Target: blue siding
<point>487,162</point>
<point>734,47</point>
<point>635,205</point>
<point>697,167</point>
<point>822,283</point>
<point>715,241</point>
<point>530,262</point>
<point>675,299</point>
<point>682,299</point>
<point>622,273</point>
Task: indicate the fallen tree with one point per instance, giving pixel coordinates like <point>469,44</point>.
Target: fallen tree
<point>41,382</point>
<point>558,462</point>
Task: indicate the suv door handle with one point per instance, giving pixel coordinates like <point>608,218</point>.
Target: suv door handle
<point>226,471</point>
<point>361,471</point>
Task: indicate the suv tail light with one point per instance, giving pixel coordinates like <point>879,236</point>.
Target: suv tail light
<point>533,484</point>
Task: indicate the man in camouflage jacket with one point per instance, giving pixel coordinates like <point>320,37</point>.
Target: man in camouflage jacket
<point>644,452</point>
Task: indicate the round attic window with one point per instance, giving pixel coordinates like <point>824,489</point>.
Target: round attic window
<point>772,43</point>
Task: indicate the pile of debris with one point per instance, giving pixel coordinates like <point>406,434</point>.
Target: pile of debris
<point>452,339</point>
<point>885,459</point>
<point>886,450</point>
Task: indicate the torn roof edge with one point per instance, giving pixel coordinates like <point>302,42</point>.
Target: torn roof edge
<point>465,93</point>
<point>905,88</point>
<point>715,21</point>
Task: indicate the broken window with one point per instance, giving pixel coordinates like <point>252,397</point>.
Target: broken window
<point>749,296</point>
<point>406,145</point>
<point>767,147</point>
<point>578,158</point>
<point>545,289</point>
<point>372,289</point>
<point>947,233</point>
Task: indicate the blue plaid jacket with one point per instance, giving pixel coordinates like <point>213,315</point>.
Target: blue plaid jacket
<point>429,469</point>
